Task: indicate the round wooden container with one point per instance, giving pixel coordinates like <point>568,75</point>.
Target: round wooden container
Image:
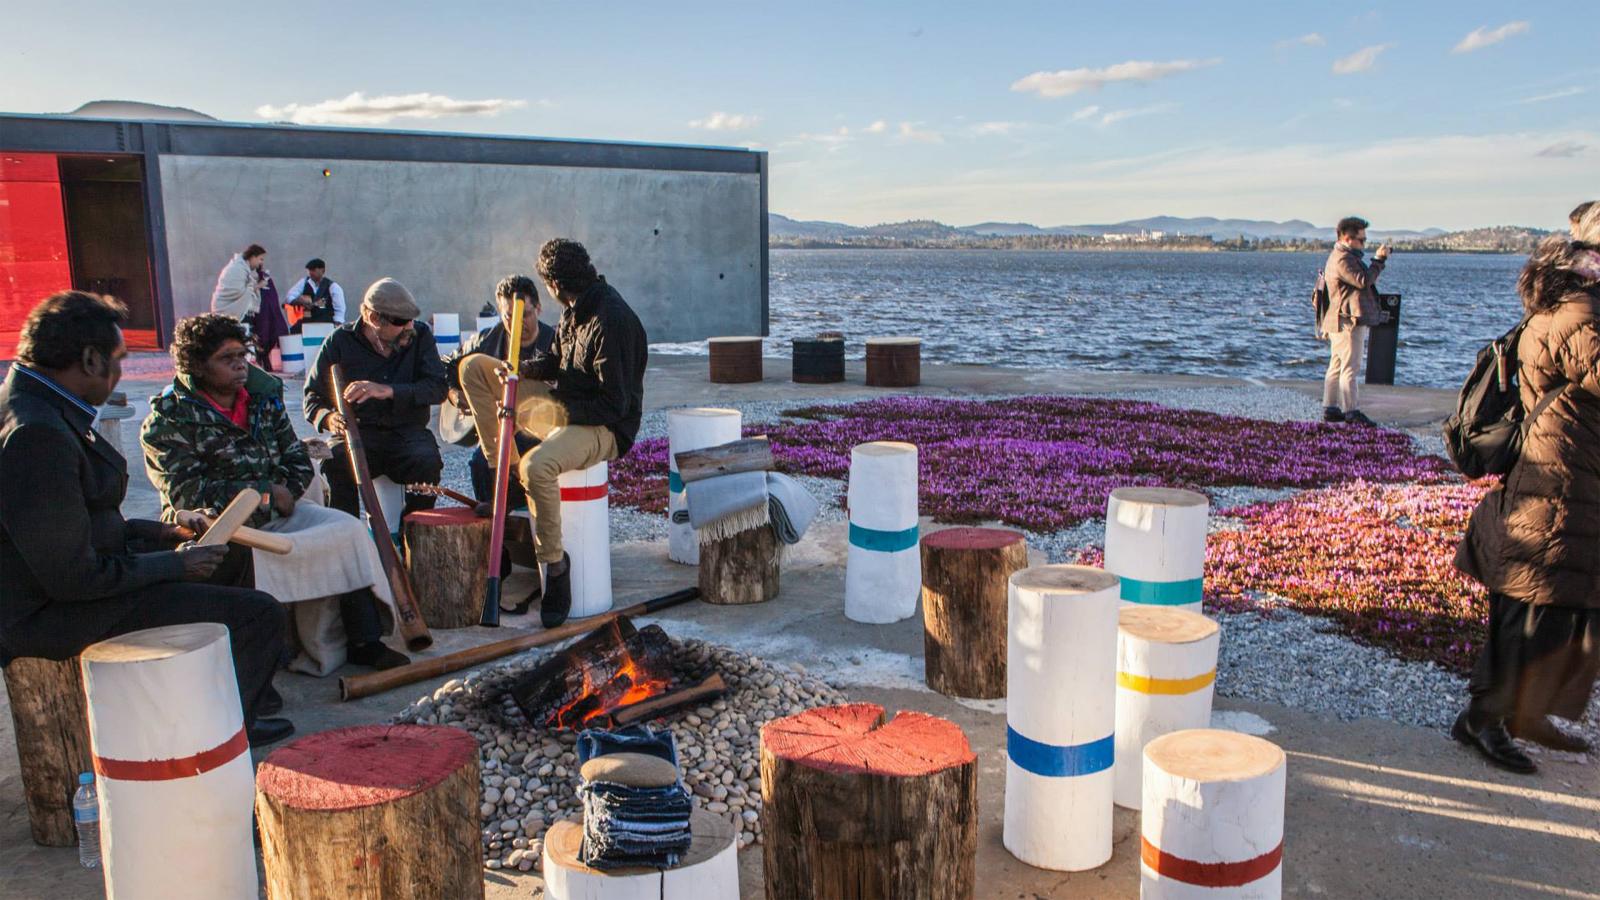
<point>818,360</point>
<point>894,362</point>
<point>735,360</point>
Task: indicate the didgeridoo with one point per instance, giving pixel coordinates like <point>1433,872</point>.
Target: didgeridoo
<point>412,626</point>
<point>502,469</point>
<point>354,687</point>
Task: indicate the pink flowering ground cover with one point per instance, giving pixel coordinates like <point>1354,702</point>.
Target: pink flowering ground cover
<point>1047,463</point>
<point>1376,559</point>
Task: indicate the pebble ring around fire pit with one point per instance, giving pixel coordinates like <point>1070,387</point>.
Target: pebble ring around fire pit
<point>530,774</point>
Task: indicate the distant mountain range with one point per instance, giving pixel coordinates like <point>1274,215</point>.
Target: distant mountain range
<point>784,228</point>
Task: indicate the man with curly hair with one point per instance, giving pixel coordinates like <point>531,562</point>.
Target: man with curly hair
<point>220,427</point>
<point>590,415</point>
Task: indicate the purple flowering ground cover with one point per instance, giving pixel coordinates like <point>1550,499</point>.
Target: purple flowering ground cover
<point>1047,463</point>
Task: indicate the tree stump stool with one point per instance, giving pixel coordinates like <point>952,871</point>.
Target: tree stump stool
<point>966,576</point>
<point>375,811</point>
<point>52,728</point>
<point>818,360</point>
<point>735,360</point>
<point>710,870</point>
<point>894,361</point>
<point>740,569</point>
<point>854,807</point>
<point>447,553</point>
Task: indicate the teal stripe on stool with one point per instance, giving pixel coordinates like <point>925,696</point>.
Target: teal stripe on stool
<point>674,482</point>
<point>1163,593</point>
<point>882,541</point>
<point>1057,761</point>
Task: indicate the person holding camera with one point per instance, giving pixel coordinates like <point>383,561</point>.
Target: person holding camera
<point>1352,311</point>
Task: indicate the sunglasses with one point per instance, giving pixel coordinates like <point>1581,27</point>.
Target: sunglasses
<point>400,321</point>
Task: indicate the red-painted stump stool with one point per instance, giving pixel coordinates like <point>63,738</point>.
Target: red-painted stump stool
<point>52,730</point>
<point>374,811</point>
<point>966,575</point>
<point>447,553</point>
<point>856,807</point>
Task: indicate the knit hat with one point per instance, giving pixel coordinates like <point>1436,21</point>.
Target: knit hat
<point>390,298</point>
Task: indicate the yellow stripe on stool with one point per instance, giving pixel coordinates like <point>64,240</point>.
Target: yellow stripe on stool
<point>1147,685</point>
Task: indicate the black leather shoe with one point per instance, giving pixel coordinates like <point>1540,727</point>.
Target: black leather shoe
<point>378,655</point>
<point>1357,417</point>
<point>271,702</point>
<point>1332,414</point>
<point>1544,732</point>
<point>269,731</point>
<point>534,596</point>
<point>1494,744</point>
<point>557,601</point>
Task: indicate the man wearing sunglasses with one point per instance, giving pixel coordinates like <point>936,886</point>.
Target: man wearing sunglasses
<point>393,375</point>
<point>1352,311</point>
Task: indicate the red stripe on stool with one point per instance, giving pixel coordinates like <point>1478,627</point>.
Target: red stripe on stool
<point>173,769</point>
<point>573,494</point>
<point>1212,875</point>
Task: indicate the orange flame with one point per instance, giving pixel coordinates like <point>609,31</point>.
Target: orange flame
<point>631,684</point>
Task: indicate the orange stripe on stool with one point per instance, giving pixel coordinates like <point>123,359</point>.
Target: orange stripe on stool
<point>173,769</point>
<point>576,494</point>
<point>1211,875</point>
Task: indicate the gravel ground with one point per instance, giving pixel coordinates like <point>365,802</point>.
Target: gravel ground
<point>530,774</point>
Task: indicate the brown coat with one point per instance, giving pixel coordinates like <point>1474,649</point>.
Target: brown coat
<point>1537,538</point>
<point>1352,290</point>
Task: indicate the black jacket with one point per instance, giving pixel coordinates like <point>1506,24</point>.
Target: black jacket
<point>598,364</point>
<point>493,341</point>
<point>414,371</point>
<point>66,553</point>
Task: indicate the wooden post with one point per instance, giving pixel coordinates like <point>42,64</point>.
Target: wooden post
<point>52,726</point>
<point>856,807</point>
<point>709,871</point>
<point>966,574</point>
<point>740,569</point>
<point>894,362</point>
<point>735,360</point>
<point>373,811</point>
<point>447,553</point>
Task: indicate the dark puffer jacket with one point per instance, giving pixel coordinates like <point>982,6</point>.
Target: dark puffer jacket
<point>1537,538</point>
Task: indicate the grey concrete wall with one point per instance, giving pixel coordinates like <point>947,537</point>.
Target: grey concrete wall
<point>684,248</point>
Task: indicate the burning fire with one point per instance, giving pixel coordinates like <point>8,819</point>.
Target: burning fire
<point>628,684</point>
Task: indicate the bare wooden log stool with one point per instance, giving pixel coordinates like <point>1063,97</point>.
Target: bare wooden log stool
<point>894,361</point>
<point>818,360</point>
<point>853,807</point>
<point>735,360</point>
<point>740,569</point>
<point>375,811</point>
<point>52,725</point>
<point>447,553</point>
<point>709,871</point>
<point>966,573</point>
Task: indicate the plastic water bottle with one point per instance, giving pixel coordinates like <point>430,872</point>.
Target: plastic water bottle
<point>86,816</point>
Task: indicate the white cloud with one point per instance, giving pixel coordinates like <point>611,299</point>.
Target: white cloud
<point>359,109</point>
<point>1563,150</point>
<point>1305,40</point>
<point>1483,37</point>
<point>1088,112</point>
<point>910,132</point>
<point>1555,95</point>
<point>721,121</point>
<point>1071,81</point>
<point>878,127</point>
<point>985,129</point>
<point>1119,115</point>
<point>832,139</point>
<point>1360,61</point>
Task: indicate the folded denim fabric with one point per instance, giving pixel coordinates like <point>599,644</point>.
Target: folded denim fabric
<point>632,739</point>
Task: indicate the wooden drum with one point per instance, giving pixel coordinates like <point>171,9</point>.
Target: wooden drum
<point>894,362</point>
<point>735,360</point>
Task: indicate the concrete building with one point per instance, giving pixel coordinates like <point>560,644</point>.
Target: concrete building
<point>150,210</point>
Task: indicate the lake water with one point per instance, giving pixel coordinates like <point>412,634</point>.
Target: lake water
<point>1242,314</point>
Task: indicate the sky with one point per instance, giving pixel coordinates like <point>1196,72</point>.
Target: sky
<point>1417,114</point>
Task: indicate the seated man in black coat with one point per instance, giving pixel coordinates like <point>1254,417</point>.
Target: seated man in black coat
<point>72,570</point>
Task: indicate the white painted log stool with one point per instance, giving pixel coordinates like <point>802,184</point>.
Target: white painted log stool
<point>710,870</point>
<point>1156,543</point>
<point>1166,668</point>
<point>1061,656</point>
<point>447,333</point>
<point>485,323</point>
<point>312,334</point>
<point>292,354</point>
<point>586,536</point>
<point>392,500</point>
<point>692,429</point>
<point>173,764</point>
<point>883,568</point>
<point>1212,824</point>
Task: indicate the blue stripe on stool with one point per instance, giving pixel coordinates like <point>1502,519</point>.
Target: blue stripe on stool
<point>291,357</point>
<point>1060,762</point>
<point>1163,593</point>
<point>674,482</point>
<point>882,541</point>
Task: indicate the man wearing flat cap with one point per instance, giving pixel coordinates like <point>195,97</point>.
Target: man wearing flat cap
<point>392,376</point>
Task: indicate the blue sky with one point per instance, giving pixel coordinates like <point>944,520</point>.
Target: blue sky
<point>1052,113</point>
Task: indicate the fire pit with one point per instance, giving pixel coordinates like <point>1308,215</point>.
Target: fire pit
<point>612,677</point>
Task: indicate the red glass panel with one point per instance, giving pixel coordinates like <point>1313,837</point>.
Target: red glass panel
<point>33,239</point>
